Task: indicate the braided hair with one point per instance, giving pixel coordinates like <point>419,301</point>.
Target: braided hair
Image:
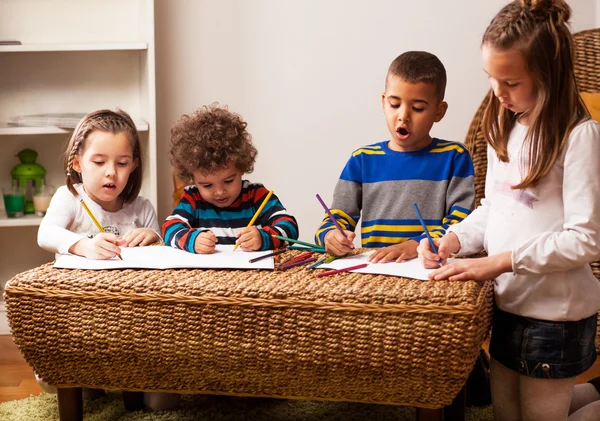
<point>538,29</point>
<point>111,122</point>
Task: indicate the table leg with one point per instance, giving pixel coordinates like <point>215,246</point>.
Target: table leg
<point>133,401</point>
<point>426,414</point>
<point>456,410</point>
<point>70,404</point>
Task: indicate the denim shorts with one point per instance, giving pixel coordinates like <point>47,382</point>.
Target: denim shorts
<point>541,348</point>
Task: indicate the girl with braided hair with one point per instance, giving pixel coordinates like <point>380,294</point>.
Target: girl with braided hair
<point>540,219</point>
<point>103,162</point>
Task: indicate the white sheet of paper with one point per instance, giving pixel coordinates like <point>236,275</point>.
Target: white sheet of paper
<point>408,269</point>
<point>164,257</point>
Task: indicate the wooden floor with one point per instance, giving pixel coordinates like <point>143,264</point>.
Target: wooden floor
<point>17,380</point>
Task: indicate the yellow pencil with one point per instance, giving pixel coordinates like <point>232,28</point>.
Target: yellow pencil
<point>95,220</point>
<point>262,205</point>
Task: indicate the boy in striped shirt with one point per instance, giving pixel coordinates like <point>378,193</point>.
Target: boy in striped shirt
<point>382,181</point>
<point>212,150</point>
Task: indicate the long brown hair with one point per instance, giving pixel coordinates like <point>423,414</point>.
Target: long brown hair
<point>539,30</point>
<point>112,122</point>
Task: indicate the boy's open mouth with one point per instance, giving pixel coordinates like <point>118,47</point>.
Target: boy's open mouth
<point>109,186</point>
<point>402,132</point>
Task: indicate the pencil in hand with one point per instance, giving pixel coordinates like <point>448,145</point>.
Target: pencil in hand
<point>431,243</point>
<point>335,222</point>
<point>94,220</point>
<point>255,217</point>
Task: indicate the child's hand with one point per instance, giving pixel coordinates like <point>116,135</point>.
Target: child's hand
<point>397,252</point>
<point>205,242</point>
<point>446,246</point>
<point>103,246</point>
<point>138,237</point>
<point>481,269</point>
<point>337,244</point>
<point>249,239</point>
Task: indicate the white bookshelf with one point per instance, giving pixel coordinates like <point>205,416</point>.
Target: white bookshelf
<point>110,46</point>
<point>4,329</point>
<point>74,57</point>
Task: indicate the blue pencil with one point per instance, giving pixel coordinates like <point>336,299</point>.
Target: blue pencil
<point>433,247</point>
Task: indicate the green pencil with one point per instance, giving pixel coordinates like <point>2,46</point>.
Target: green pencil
<point>315,249</point>
<point>291,240</point>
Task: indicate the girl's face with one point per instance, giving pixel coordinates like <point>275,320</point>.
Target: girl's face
<point>511,81</point>
<point>220,188</point>
<point>105,166</point>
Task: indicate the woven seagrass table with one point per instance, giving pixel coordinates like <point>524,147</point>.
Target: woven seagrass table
<point>285,334</point>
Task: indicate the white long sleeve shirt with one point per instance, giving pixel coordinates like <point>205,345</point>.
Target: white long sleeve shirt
<point>552,230</point>
<point>66,221</point>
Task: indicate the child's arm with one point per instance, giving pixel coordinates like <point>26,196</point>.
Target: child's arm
<point>148,233</point>
<point>274,219</point>
<point>178,229</point>
<point>471,230</point>
<point>346,208</point>
<point>459,198</point>
<point>578,243</point>
<point>53,234</point>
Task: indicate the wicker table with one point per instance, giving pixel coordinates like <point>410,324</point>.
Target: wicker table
<point>287,334</point>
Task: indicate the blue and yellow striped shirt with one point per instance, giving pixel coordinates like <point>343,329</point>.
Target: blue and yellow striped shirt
<point>381,185</point>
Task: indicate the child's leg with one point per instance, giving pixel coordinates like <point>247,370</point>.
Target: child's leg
<point>590,412</point>
<point>546,356</point>
<point>545,399</point>
<point>504,383</point>
<point>584,394</point>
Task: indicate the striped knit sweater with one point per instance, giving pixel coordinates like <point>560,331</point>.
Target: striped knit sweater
<point>194,215</point>
<point>382,184</point>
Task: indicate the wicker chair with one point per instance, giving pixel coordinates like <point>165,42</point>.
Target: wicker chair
<point>587,73</point>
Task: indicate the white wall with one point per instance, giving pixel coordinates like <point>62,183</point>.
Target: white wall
<point>308,76</point>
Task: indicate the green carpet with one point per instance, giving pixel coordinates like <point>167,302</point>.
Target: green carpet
<point>219,408</point>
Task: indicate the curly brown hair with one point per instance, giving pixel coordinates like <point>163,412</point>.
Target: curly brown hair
<point>209,140</point>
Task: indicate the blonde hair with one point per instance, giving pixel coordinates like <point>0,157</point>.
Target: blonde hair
<point>111,122</point>
<point>539,30</point>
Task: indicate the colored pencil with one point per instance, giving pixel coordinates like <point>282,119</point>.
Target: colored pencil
<point>94,220</point>
<point>315,249</point>
<point>431,243</point>
<point>298,263</point>
<point>253,220</point>
<point>264,256</point>
<point>299,257</point>
<point>317,263</point>
<point>291,240</point>
<point>332,272</point>
<point>335,222</point>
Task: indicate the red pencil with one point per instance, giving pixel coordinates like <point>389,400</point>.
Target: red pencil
<point>299,257</point>
<point>332,272</point>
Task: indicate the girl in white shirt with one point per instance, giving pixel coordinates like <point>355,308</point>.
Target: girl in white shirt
<point>540,219</point>
<point>104,168</point>
<point>103,163</point>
